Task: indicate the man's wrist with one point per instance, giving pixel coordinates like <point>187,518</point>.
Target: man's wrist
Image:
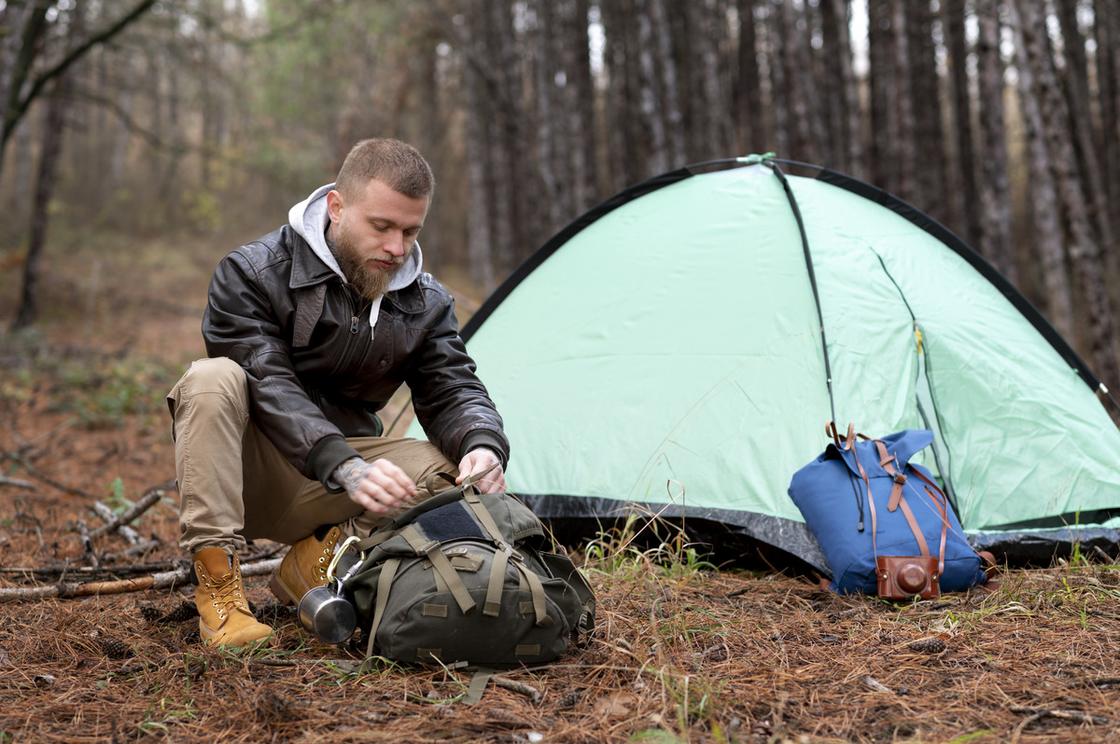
<point>350,473</point>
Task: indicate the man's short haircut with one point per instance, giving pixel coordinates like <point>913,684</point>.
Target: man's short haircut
<point>398,164</point>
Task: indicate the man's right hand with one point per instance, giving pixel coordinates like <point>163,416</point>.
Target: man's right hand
<point>379,486</point>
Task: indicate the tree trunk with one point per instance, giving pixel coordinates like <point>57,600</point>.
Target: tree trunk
<point>995,208</point>
<point>1075,85</point>
<point>844,117</point>
<point>750,127</point>
<point>885,141</point>
<point>1106,24</point>
<point>17,52</point>
<point>1084,253</point>
<point>583,131</point>
<point>476,100</point>
<point>1044,206</point>
<point>962,171</point>
<point>53,125</point>
<point>928,147</point>
<point>653,123</point>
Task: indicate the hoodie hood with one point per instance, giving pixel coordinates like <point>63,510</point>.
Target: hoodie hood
<point>309,218</point>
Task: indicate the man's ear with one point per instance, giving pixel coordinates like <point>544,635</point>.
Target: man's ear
<point>334,205</point>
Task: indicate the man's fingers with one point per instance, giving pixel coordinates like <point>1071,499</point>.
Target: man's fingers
<point>396,476</point>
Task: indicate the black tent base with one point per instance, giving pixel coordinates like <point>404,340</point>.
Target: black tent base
<point>735,539</point>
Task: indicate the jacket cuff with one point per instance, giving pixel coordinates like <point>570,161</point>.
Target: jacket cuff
<point>487,439</point>
<point>327,454</point>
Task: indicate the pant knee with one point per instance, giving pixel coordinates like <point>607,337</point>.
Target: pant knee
<point>216,375</point>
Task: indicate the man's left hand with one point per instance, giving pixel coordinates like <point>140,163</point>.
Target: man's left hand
<point>478,460</point>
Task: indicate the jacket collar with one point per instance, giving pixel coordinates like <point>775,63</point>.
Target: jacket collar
<point>307,268</point>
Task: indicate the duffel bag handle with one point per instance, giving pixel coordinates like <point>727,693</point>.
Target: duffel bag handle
<point>438,498</point>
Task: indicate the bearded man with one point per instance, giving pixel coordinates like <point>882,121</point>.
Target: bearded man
<point>310,330</point>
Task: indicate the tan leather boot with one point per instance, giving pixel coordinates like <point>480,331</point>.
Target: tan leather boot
<point>224,618</point>
<point>304,567</point>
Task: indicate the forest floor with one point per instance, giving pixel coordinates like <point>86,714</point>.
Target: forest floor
<point>682,652</point>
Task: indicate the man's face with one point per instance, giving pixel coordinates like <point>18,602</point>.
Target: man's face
<point>373,232</point>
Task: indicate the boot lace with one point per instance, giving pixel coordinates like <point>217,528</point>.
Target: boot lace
<point>226,596</point>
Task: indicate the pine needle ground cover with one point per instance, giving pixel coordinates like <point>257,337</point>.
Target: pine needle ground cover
<point>683,651</point>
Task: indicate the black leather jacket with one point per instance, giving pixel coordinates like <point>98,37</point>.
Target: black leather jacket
<point>315,374</point>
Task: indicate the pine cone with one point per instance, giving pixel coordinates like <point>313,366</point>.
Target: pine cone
<point>116,649</point>
<point>183,612</point>
<point>151,613</point>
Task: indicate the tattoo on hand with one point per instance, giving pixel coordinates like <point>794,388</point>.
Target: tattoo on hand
<point>350,473</point>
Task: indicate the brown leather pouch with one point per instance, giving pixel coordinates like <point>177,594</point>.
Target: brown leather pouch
<point>904,576</point>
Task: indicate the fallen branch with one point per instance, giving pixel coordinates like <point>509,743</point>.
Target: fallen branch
<point>1038,714</point>
<point>19,458</point>
<point>133,550</point>
<point>151,497</point>
<point>108,516</point>
<point>511,684</point>
<point>165,580</point>
<point>16,483</point>
<point>88,552</point>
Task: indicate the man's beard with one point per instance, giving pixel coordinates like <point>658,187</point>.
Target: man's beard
<point>369,282</point>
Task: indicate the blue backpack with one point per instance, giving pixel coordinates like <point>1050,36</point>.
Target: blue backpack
<point>865,501</point>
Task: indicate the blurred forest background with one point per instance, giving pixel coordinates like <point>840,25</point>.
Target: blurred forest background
<point>208,118</point>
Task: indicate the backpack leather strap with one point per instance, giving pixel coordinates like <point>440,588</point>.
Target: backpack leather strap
<point>384,586</point>
<point>886,461</point>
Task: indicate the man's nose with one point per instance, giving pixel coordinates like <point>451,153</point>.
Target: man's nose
<point>395,245</point>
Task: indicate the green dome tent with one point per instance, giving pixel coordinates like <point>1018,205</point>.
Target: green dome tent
<point>682,345</point>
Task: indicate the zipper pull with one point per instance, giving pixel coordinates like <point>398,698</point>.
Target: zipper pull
<point>354,324</point>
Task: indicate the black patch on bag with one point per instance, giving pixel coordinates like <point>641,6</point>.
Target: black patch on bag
<point>449,522</point>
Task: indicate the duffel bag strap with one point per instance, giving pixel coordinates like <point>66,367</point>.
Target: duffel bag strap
<point>430,548</point>
<point>384,586</point>
<point>496,584</point>
<point>485,517</point>
<point>536,590</point>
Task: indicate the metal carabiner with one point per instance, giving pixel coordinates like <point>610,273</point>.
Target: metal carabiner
<point>339,553</point>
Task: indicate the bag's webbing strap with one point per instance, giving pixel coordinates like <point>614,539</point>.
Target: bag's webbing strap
<point>485,517</point>
<point>477,686</point>
<point>430,548</point>
<point>497,582</point>
<point>384,585</point>
<point>536,590</point>
<point>831,430</point>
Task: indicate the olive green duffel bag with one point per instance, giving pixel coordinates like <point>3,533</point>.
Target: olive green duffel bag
<point>464,578</point>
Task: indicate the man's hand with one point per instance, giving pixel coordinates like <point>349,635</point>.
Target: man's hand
<point>379,486</point>
<point>478,460</point>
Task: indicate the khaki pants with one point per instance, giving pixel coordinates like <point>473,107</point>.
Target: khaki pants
<point>234,484</point>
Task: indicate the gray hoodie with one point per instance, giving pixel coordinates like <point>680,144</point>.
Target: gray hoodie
<point>309,218</point>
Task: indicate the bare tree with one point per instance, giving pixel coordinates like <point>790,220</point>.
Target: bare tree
<point>20,84</point>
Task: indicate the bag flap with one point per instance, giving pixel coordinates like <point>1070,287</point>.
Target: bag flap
<point>902,444</point>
